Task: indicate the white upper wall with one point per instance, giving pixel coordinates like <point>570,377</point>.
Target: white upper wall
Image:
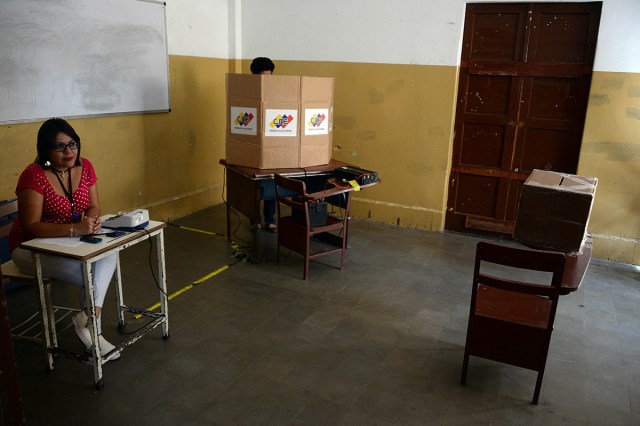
<point>424,32</point>
<point>618,46</point>
<point>199,28</point>
<point>395,32</point>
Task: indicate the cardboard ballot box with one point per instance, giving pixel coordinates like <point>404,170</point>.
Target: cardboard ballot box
<point>554,210</point>
<point>279,121</point>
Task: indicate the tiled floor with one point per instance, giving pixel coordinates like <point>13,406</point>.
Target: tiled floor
<point>378,343</point>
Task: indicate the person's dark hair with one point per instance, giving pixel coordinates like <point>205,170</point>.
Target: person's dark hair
<point>262,64</point>
<point>47,137</point>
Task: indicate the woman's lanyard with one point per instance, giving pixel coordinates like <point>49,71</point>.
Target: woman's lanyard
<point>75,217</point>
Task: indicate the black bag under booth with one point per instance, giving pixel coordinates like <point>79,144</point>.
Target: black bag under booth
<point>317,213</point>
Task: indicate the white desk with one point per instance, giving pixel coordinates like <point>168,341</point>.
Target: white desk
<point>88,253</point>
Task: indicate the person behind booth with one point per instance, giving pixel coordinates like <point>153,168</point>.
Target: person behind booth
<point>58,197</point>
<point>264,65</point>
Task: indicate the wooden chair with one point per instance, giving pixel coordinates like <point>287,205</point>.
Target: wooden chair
<point>12,412</point>
<point>511,320</point>
<point>296,230</point>
<point>31,328</point>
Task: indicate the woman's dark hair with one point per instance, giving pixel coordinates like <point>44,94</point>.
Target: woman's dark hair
<point>262,64</point>
<point>47,137</point>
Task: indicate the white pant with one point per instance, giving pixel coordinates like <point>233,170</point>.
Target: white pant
<point>70,271</point>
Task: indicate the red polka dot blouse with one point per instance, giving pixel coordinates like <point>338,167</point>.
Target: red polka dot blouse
<point>55,208</point>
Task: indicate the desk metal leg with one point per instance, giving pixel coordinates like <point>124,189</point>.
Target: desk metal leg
<point>119,294</point>
<point>48,328</point>
<point>93,323</point>
<point>164,305</point>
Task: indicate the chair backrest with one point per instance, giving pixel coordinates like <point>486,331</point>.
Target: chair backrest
<point>287,187</point>
<point>10,272</point>
<point>519,261</point>
<point>290,192</point>
<point>8,215</point>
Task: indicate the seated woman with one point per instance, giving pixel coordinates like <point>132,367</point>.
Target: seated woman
<point>58,197</point>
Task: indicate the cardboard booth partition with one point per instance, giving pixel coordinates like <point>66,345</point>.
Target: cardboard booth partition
<point>554,210</point>
<point>279,121</point>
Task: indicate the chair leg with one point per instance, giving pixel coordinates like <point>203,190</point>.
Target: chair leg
<point>536,393</point>
<point>306,259</point>
<point>465,368</point>
<point>306,268</point>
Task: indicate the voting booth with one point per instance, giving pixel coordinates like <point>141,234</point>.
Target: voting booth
<point>278,121</point>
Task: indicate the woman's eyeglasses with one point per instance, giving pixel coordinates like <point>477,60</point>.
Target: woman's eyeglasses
<point>60,147</point>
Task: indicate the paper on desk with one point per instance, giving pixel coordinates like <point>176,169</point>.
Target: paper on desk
<point>65,241</point>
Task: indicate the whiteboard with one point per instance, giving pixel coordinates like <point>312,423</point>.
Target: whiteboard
<point>70,58</point>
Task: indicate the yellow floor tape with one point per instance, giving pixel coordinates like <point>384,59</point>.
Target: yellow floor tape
<point>186,228</point>
<point>187,287</point>
<point>199,280</point>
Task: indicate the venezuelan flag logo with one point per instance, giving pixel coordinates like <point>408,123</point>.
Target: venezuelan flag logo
<point>281,121</point>
<point>243,119</point>
<point>316,120</point>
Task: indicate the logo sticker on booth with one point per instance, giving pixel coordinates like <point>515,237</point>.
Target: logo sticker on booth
<point>244,121</point>
<point>280,122</point>
<point>316,121</point>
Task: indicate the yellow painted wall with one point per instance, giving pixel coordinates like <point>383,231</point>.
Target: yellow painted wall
<point>611,152</point>
<point>398,121</point>
<point>166,162</point>
<point>394,119</point>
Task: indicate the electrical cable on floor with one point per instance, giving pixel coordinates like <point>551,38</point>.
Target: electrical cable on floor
<point>153,274</point>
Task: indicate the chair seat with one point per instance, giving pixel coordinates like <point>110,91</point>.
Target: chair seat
<point>333,223</point>
<point>12,272</point>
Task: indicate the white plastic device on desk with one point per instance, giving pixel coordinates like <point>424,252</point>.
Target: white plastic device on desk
<point>136,219</point>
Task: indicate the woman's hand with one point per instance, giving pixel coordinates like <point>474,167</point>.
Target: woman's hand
<point>88,225</point>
